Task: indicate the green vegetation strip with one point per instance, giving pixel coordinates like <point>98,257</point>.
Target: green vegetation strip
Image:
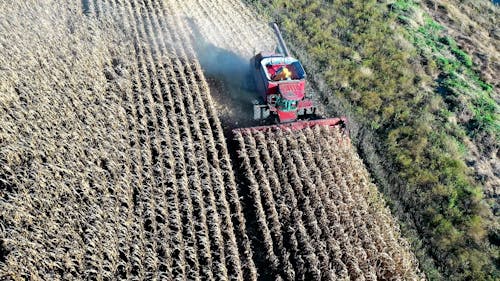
<point>408,83</point>
<point>463,91</point>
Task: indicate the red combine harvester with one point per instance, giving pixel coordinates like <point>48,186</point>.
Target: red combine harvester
<point>281,82</point>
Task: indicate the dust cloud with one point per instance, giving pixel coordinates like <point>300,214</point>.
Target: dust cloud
<point>230,79</point>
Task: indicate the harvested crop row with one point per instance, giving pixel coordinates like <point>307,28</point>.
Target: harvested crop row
<point>318,214</point>
<point>113,159</point>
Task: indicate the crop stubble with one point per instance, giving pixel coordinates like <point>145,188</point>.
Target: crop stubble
<point>163,203</point>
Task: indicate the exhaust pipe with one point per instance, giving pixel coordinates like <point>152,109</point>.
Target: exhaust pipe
<point>280,40</point>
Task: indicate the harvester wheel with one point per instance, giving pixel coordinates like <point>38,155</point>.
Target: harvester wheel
<point>260,111</point>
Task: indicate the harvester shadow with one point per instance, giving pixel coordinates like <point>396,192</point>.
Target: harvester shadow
<point>233,90</point>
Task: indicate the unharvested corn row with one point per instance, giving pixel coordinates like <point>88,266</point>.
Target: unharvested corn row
<point>318,213</point>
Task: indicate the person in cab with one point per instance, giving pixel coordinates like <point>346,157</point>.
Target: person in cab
<point>283,73</point>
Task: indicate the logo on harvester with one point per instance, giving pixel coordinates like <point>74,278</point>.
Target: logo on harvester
<point>289,95</point>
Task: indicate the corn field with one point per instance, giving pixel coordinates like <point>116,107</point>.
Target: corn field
<point>319,216</point>
<point>114,165</point>
<point>113,160</point>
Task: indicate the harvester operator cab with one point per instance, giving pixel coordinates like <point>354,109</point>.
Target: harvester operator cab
<point>281,68</point>
<point>281,83</point>
<point>283,73</point>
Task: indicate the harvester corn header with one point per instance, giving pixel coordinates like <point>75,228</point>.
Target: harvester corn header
<point>280,80</point>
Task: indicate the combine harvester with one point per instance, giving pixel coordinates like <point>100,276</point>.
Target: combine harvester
<point>281,82</point>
